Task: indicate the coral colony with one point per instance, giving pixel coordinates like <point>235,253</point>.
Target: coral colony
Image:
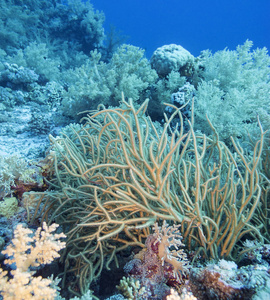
<point>156,268</point>
<point>149,177</point>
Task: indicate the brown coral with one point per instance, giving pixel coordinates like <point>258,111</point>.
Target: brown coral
<point>207,284</point>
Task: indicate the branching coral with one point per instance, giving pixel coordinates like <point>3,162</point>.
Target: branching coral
<point>95,82</point>
<point>234,90</point>
<point>168,237</point>
<point>30,251</point>
<point>157,267</point>
<point>119,174</point>
<point>69,22</point>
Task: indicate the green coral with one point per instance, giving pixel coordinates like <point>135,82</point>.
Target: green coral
<point>234,90</point>
<point>131,288</point>
<point>8,207</point>
<point>13,168</point>
<point>98,82</point>
<point>48,36</point>
<point>27,21</point>
<point>39,58</point>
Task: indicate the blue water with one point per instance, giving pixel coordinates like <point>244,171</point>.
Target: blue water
<point>195,24</point>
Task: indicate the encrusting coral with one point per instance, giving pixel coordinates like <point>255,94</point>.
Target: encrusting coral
<point>224,280</point>
<point>27,251</point>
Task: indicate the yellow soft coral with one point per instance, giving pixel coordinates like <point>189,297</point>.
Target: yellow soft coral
<point>30,251</point>
<point>8,207</point>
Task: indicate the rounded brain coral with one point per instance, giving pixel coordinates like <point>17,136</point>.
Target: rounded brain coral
<point>171,58</point>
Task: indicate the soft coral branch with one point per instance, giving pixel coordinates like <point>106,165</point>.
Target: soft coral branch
<point>30,251</point>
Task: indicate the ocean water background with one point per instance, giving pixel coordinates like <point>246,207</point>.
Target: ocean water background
<point>194,24</point>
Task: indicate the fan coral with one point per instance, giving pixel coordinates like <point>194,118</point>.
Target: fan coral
<point>120,173</point>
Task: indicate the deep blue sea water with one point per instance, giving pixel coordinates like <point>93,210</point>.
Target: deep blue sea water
<point>194,24</point>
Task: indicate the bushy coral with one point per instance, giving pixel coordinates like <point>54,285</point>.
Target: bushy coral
<point>71,21</point>
<point>38,57</point>
<point>48,37</point>
<point>12,169</point>
<point>98,82</point>
<point>120,173</point>
<point>17,77</point>
<point>168,243</point>
<point>27,251</point>
<point>163,92</point>
<point>235,88</point>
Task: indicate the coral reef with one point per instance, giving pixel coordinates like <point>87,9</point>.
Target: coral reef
<point>39,42</point>
<point>76,24</point>
<point>15,170</point>
<point>15,77</point>
<point>115,175</point>
<point>120,173</point>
